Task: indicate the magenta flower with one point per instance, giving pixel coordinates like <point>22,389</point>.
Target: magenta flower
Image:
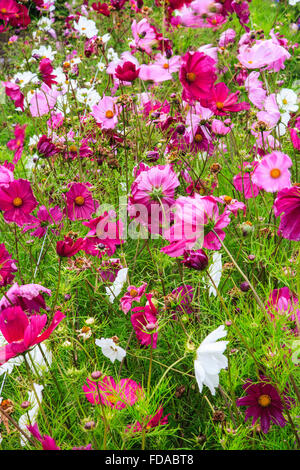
<point>46,147</point>
<point>144,35</point>
<point>7,266</point>
<point>109,269</point>
<point>12,90</point>
<point>106,113</point>
<point>285,302</point>
<point>105,233</point>
<point>195,259</point>
<point>133,294</point>
<point>6,175</point>
<point>221,101</point>
<point>116,395</point>
<point>43,220</point>
<point>28,296</point>
<point>295,134</point>
<point>272,173</point>
<point>22,332</point>
<point>80,204</point>
<point>181,299</point>
<point>46,70</point>
<point>127,72</point>
<point>48,443</point>
<point>243,181</point>
<point>197,75</point>
<point>195,219</point>
<point>264,402</point>
<point>17,143</point>
<point>144,322</point>
<point>17,202</point>
<point>68,247</point>
<point>287,204</point>
<point>150,422</point>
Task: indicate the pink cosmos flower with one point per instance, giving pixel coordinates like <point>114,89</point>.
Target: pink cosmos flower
<point>43,100</point>
<point>43,220</point>
<point>68,247</point>
<point>105,233</point>
<point>232,205</point>
<point>80,204</point>
<point>13,91</point>
<point>46,69</point>
<point>154,72</point>
<point>256,93</point>
<point>133,294</point>
<point>8,8</point>
<point>286,303</point>
<point>264,402</point>
<point>221,101</point>
<point>17,143</point>
<point>28,296</point>
<point>295,134</point>
<point>109,269</point>
<point>287,204</point>
<point>227,37</point>
<point>181,299</point>
<point>243,181</point>
<point>219,128</point>
<point>144,35</point>
<point>17,202</point>
<point>106,113</point>
<point>272,173</point>
<point>7,266</point>
<point>150,422</point>
<point>195,218</point>
<point>115,395</point>
<point>6,175</point>
<point>48,443</point>
<point>171,64</point>
<point>263,54</point>
<point>22,332</point>
<point>144,322</point>
<point>197,75</point>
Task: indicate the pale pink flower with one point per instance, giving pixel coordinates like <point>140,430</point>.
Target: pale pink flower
<point>272,173</point>
<point>106,113</point>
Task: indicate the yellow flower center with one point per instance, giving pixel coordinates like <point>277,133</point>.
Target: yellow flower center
<point>3,10</point>
<point>85,329</point>
<point>191,76</point>
<point>111,398</point>
<point>79,200</point>
<point>109,114</point>
<point>198,138</point>
<point>284,101</point>
<point>264,400</point>
<point>73,148</point>
<point>166,66</point>
<point>250,61</point>
<point>17,202</point>
<point>133,293</point>
<point>220,105</point>
<point>227,199</point>
<point>275,173</point>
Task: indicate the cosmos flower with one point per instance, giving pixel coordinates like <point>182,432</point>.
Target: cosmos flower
<point>115,395</point>
<point>287,204</point>
<point>272,173</point>
<point>110,349</point>
<point>210,360</point>
<point>144,322</point>
<point>133,294</point>
<point>80,204</point>
<point>48,443</point>
<point>264,402</point>
<point>27,296</point>
<point>197,75</point>
<point>46,69</point>
<point>44,219</point>
<point>7,266</point>
<point>13,91</point>
<point>17,143</point>
<point>17,202</point>
<point>221,101</point>
<point>69,247</point>
<point>106,113</point>
<point>150,422</point>
<point>22,332</point>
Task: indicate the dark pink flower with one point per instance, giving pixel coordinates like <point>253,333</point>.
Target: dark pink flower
<point>243,182</point>
<point>7,266</point>
<point>150,422</point>
<point>43,220</point>
<point>105,233</point>
<point>195,259</point>
<point>69,247</point>
<point>46,148</point>
<point>109,269</point>
<point>263,401</point>
<point>48,443</point>
<point>22,332</point>
<point>144,322</point>
<point>133,294</point>
<point>80,204</point>
<point>116,395</point>
<point>127,72</point>
<point>287,204</point>
<point>28,296</point>
<point>17,143</point>
<point>13,91</point>
<point>17,202</point>
<point>46,70</point>
<point>221,101</point>
<point>286,303</point>
<point>197,75</point>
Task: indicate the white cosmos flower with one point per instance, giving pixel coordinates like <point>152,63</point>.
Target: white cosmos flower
<point>282,126</point>
<point>105,38</point>
<point>210,360</point>
<point>287,100</point>
<point>44,52</point>
<point>293,2</point>
<point>89,97</point>
<point>23,78</point>
<point>110,349</point>
<point>215,272</point>
<point>115,289</point>
<point>86,27</point>
<point>30,416</point>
